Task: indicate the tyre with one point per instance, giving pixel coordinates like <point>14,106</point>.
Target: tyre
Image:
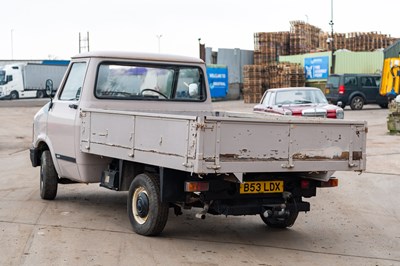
<point>357,103</point>
<point>48,177</point>
<point>280,222</point>
<point>147,214</point>
<point>40,94</point>
<point>384,105</point>
<point>14,95</point>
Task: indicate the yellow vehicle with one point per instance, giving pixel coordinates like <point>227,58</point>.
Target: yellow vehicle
<point>390,81</point>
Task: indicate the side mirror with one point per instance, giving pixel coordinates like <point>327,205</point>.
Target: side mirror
<point>49,88</point>
<point>340,104</point>
<point>193,89</point>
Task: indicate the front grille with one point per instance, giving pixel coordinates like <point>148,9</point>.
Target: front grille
<point>314,113</point>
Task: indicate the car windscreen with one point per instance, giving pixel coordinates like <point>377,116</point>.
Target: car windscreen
<point>291,97</point>
<point>2,77</point>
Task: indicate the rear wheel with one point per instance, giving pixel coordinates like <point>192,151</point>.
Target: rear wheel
<point>40,94</point>
<point>280,222</point>
<point>357,103</point>
<point>383,105</point>
<point>48,177</point>
<point>147,214</point>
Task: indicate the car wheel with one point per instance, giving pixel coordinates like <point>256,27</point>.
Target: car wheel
<point>48,177</point>
<point>147,214</point>
<point>357,103</point>
<point>383,105</point>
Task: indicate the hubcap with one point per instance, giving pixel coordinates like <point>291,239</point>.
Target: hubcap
<point>140,205</point>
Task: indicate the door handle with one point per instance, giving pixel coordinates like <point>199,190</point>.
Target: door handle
<point>73,106</point>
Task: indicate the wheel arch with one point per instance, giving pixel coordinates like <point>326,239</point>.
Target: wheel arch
<point>43,144</point>
<point>357,93</point>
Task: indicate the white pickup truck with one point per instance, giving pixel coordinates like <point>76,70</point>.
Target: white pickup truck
<point>144,123</point>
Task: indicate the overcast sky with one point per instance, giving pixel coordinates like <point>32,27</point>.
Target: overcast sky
<point>43,29</point>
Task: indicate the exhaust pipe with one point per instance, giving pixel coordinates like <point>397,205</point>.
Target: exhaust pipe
<point>202,214</point>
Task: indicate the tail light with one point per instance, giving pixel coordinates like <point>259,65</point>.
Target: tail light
<point>332,182</point>
<point>196,186</point>
<point>341,89</point>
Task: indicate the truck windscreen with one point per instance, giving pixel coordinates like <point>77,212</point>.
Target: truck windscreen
<point>2,77</point>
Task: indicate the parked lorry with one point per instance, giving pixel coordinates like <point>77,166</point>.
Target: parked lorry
<point>29,80</point>
<point>144,123</point>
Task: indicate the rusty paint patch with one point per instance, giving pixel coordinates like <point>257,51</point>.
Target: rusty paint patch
<point>357,155</point>
<point>235,157</point>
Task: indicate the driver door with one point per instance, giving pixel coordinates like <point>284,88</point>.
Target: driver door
<point>63,122</point>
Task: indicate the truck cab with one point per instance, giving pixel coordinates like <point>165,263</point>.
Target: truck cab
<point>12,83</point>
<point>151,83</point>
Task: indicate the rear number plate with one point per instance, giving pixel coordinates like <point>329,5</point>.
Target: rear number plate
<point>261,187</point>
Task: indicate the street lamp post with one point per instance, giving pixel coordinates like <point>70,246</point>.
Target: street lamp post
<point>159,42</point>
<point>12,44</point>
<point>332,41</point>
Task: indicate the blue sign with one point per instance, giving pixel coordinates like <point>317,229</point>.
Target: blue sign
<point>218,81</point>
<point>316,67</point>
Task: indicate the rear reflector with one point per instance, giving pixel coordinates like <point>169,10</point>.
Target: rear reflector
<point>305,184</point>
<point>333,182</point>
<point>193,186</point>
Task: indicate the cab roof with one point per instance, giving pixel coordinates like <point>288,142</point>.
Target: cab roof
<point>139,56</point>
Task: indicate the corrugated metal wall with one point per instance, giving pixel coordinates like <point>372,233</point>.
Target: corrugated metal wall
<point>392,51</point>
<point>235,59</point>
<point>299,59</point>
<point>209,56</point>
<point>358,62</point>
<point>9,62</point>
<point>345,61</point>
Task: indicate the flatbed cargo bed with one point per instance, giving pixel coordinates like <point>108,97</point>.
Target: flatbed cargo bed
<point>224,142</point>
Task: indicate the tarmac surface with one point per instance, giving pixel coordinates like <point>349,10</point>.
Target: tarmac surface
<point>357,223</point>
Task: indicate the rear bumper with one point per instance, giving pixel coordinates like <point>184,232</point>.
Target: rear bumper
<point>335,100</point>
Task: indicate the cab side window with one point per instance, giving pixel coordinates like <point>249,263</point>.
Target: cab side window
<point>350,81</point>
<point>73,85</point>
<point>368,82</point>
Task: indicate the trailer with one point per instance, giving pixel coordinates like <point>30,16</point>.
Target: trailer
<point>29,80</point>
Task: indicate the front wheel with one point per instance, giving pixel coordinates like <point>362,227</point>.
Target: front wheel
<point>147,214</point>
<point>14,95</point>
<point>48,177</point>
<point>357,103</point>
<point>280,222</point>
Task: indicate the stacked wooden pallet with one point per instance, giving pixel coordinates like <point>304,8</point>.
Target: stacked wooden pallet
<point>281,75</point>
<point>253,83</point>
<point>303,37</point>
<point>259,78</point>
<point>367,41</point>
<point>268,46</point>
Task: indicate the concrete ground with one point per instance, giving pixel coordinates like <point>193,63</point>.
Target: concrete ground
<point>356,223</point>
